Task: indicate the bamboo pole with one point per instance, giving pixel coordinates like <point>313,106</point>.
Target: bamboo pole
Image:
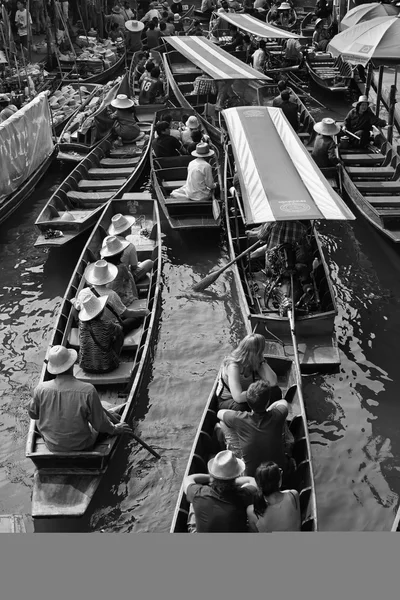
<point>392,102</point>
<point>379,90</point>
<point>369,78</point>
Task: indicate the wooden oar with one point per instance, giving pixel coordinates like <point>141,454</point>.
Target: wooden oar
<point>113,416</point>
<point>207,281</point>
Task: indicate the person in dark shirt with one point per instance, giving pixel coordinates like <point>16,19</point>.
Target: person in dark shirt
<point>196,137</point>
<point>153,36</point>
<point>261,431</point>
<point>219,499</point>
<point>151,87</point>
<point>277,101</point>
<point>324,151</point>
<point>290,110</point>
<point>237,39</point>
<point>165,144</point>
<point>176,7</point>
<point>360,121</point>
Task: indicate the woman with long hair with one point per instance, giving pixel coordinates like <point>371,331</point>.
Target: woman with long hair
<point>273,510</point>
<point>241,368</point>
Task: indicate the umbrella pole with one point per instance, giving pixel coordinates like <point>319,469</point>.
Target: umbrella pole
<point>369,78</point>
<point>392,102</point>
<point>379,90</point>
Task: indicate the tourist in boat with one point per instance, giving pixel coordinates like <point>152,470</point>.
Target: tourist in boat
<point>220,498</point>
<point>153,35</point>
<point>124,283</point>
<point>99,275</point>
<point>293,55</point>
<point>208,7</point>
<point>170,30</point>
<point>204,84</point>
<point>165,144</point>
<point>320,38</point>
<point>259,57</point>
<point>151,13</point>
<point>196,137</point>
<point>261,431</point>
<point>101,337</point>
<point>325,148</point>
<point>241,368</point>
<point>273,510</point>
<point>21,21</point>
<point>125,125</point>
<point>192,124</point>
<point>151,88</point>
<point>148,67</point>
<point>121,225</point>
<point>133,36</point>
<point>248,47</point>
<point>68,412</point>
<point>195,29</point>
<point>237,40</point>
<point>172,130</point>
<point>176,7</point>
<point>277,101</point>
<point>199,184</point>
<point>290,109</point>
<point>360,121</point>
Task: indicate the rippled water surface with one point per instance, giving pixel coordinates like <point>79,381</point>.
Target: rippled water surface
<point>353,415</point>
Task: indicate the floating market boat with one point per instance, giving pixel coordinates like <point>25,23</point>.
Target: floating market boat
<point>331,74</point>
<point>68,100</point>
<point>96,64</point>
<point>26,152</point>
<point>65,483</point>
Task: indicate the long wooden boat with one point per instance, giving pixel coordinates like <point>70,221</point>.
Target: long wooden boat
<point>26,162</point>
<point>64,483</point>
<point>68,100</point>
<point>371,180</point>
<point>204,447</point>
<point>100,77</point>
<point>170,173</point>
<point>191,56</point>
<point>276,180</point>
<point>331,74</point>
<point>106,173</point>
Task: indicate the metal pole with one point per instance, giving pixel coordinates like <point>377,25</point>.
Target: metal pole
<point>379,90</point>
<point>369,78</point>
<point>392,102</point>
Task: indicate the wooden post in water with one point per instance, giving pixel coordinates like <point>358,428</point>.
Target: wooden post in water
<point>379,90</point>
<point>392,102</point>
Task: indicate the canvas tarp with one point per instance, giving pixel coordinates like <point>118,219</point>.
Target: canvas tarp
<point>25,143</point>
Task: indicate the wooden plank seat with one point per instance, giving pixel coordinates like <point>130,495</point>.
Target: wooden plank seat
<point>110,173</point>
<point>170,201</point>
<point>96,184</point>
<point>172,184</point>
<point>42,449</point>
<point>392,187</point>
<point>370,172</point>
<point>119,162</point>
<point>119,376</point>
<point>363,160</point>
<point>131,340</point>
<point>167,162</point>
<point>380,201</point>
<point>130,150</point>
<point>89,196</point>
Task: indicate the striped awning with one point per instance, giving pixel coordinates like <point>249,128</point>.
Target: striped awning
<point>279,181</point>
<point>256,27</point>
<point>214,61</point>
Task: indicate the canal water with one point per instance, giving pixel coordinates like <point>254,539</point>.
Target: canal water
<point>353,414</point>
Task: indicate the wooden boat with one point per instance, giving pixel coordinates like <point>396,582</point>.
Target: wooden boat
<point>278,181</point>
<point>191,56</point>
<point>26,163</point>
<point>331,74</point>
<point>170,173</point>
<point>204,446</point>
<point>106,173</point>
<point>61,114</point>
<point>64,483</point>
<point>102,76</point>
<point>371,180</point>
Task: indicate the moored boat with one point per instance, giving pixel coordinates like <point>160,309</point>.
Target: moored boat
<point>26,152</point>
<point>64,483</point>
<point>269,176</point>
<point>67,100</point>
<point>331,74</point>
<point>170,173</point>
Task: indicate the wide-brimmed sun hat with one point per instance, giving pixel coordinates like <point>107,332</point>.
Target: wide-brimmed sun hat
<point>192,122</point>
<point>284,6</point>
<point>327,126</point>
<point>203,150</point>
<point>112,245</point>
<point>134,26</point>
<point>361,100</point>
<point>120,223</point>
<point>60,359</point>
<point>100,273</point>
<point>122,101</point>
<point>177,17</point>
<point>226,466</point>
<point>67,216</point>
<point>89,305</point>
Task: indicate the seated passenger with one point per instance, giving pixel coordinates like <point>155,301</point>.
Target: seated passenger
<point>290,109</point>
<point>320,38</point>
<point>100,337</point>
<point>196,137</point>
<point>124,283</point>
<point>199,184</point>
<point>221,498</point>
<point>172,131</point>
<point>204,84</point>
<point>148,67</point>
<point>125,125</point>
<point>153,35</point>
<point>324,151</point>
<point>191,124</point>
<point>273,510</point>
<point>282,85</point>
<point>165,144</point>
<point>360,120</point>
<point>120,227</point>
<point>260,432</point>
<point>237,39</point>
<point>133,35</point>
<point>293,54</point>
<point>151,88</point>
<point>259,57</point>
<point>98,275</point>
<point>68,412</point>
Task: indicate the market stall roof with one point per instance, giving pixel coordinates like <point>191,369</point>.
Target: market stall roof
<point>376,40</point>
<point>366,12</point>
<point>214,61</point>
<point>279,180</point>
<point>256,27</point>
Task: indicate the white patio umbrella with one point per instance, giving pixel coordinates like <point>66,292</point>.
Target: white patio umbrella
<point>366,12</point>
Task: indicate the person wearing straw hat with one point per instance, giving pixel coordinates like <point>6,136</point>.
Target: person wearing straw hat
<point>121,227</point>
<point>116,17</point>
<point>68,412</point>
<point>124,283</point>
<point>125,125</point>
<point>324,152</point>
<point>360,120</point>
<point>191,124</point>
<point>220,498</point>
<point>100,337</point>
<point>98,275</point>
<point>199,184</point>
<point>320,38</point>
<point>134,31</point>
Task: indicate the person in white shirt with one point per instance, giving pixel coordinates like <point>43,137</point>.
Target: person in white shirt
<point>151,13</point>
<point>200,181</point>
<point>259,57</point>
<point>21,21</point>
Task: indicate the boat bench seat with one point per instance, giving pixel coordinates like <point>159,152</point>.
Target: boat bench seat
<point>370,172</point>
<point>392,187</point>
<point>119,376</point>
<point>364,160</point>
<point>384,200</point>
<point>96,184</point>
<point>110,173</point>
<point>90,196</point>
<point>42,450</point>
<point>119,162</point>
<point>173,184</point>
<point>170,201</point>
<point>126,151</point>
<point>131,340</point>
<point>168,162</point>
